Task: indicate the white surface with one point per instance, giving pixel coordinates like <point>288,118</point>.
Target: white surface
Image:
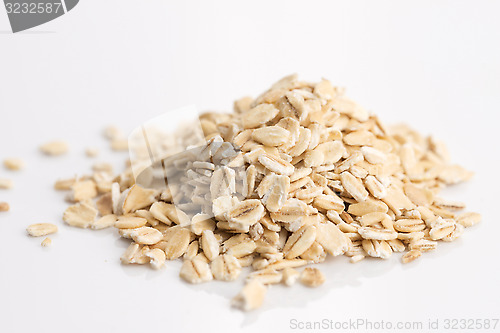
<point>433,64</point>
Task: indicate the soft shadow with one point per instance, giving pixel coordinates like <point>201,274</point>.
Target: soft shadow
<point>339,272</point>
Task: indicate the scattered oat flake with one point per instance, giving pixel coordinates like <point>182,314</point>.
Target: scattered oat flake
<point>4,207</point>
<point>410,256</point>
<point>91,151</point>
<point>84,190</point>
<point>312,277</point>
<point>112,132</point>
<point>157,257</point>
<point>13,163</point>
<point>119,144</point>
<point>251,296</point>
<point>102,167</point>
<point>195,271</point>
<point>81,215</point>
<point>46,242</point>
<point>64,184</point>
<point>54,148</point>
<point>105,221</point>
<point>290,276</point>
<point>6,184</point>
<point>41,229</point>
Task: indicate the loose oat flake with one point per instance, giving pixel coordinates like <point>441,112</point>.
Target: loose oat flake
<point>289,178</point>
<point>46,242</point>
<point>41,229</point>
<point>54,148</point>
<point>13,163</point>
<point>6,184</point>
<point>4,206</point>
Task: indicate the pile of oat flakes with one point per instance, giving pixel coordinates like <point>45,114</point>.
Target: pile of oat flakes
<point>297,174</point>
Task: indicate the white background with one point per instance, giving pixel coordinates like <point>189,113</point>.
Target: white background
<point>432,64</point>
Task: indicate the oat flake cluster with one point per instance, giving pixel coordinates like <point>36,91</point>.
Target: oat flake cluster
<point>297,174</point>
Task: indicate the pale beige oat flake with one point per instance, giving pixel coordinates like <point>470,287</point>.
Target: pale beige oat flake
<point>469,219</point>
<point>80,215</point>
<point>276,164</point>
<point>331,238</point>
<point>287,263</point>
<point>290,276</point>
<point>4,207</point>
<point>312,277</point>
<point>209,245</point>
<point>6,184</point>
<point>195,271</point>
<point>353,186</point>
<point>84,190</point>
<point>130,252</point>
<point>378,234</point>
<point>409,225</point>
<point>357,258</point>
<point>146,235</point>
<point>226,268</point>
<point>259,115</point>
<point>130,222</point>
<point>13,163</point>
<point>157,257</point>
<point>175,242</point>
<point>64,184</point>
<point>250,297</point>
<point>91,152</point>
<point>201,222</point>
<point>41,229</point>
<point>105,221</point>
<point>271,135</point>
<point>246,213</point>
<point>54,148</point>
<point>266,276</point>
<point>46,242</point>
<point>119,144</point>
<point>441,229</point>
<point>137,198</point>
<point>112,132</point>
<point>242,249</point>
<point>299,242</point>
<point>102,167</point>
<point>410,256</point>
